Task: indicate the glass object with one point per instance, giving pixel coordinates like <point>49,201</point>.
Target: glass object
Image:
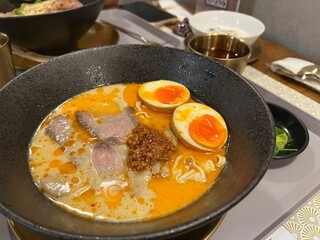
<point>7,69</point>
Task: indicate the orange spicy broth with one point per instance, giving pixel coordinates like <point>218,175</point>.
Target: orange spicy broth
<point>165,195</point>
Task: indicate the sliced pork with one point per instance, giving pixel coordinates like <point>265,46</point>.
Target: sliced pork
<point>59,129</point>
<point>117,126</point>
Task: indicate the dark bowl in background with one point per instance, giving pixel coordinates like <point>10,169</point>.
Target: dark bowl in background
<point>31,96</point>
<point>54,33</point>
<point>295,129</point>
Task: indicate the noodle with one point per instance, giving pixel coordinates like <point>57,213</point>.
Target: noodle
<point>221,161</point>
<point>196,172</point>
<point>42,7</point>
<point>140,111</point>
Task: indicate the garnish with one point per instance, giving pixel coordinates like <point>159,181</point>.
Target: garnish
<point>18,11</point>
<point>282,142</point>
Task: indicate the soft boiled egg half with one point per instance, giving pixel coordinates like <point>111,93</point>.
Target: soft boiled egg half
<point>199,126</point>
<point>163,95</point>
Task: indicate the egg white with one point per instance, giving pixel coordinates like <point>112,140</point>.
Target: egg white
<point>149,87</point>
<point>185,114</point>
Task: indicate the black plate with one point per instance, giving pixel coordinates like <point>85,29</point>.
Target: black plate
<point>295,129</point>
<point>30,97</point>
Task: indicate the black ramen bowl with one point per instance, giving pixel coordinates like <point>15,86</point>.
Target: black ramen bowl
<point>294,128</point>
<point>53,33</point>
<point>31,96</point>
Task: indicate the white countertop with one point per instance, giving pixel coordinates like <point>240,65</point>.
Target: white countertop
<point>4,231</point>
<point>269,210</point>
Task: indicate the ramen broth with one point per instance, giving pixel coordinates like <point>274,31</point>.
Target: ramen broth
<point>63,169</point>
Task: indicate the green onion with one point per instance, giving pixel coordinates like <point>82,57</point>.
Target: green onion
<point>282,139</point>
<point>18,11</point>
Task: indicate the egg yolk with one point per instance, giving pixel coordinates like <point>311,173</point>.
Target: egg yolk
<point>169,94</point>
<point>207,131</point>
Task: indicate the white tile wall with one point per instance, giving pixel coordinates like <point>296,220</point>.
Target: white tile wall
<point>291,23</point>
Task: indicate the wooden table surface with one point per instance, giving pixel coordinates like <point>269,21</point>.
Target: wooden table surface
<point>271,52</point>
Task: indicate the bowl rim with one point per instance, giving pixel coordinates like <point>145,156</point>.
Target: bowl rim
<point>301,123</point>
<point>255,20</point>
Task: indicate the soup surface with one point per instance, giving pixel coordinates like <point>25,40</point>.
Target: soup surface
<point>106,155</point>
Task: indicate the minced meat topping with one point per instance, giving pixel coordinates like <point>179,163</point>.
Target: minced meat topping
<point>147,146</point>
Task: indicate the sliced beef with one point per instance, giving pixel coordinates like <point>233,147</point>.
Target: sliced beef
<point>109,159</point>
<point>139,181</point>
<point>81,161</point>
<point>117,126</point>
<point>160,170</point>
<point>55,185</point>
<point>59,129</point>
